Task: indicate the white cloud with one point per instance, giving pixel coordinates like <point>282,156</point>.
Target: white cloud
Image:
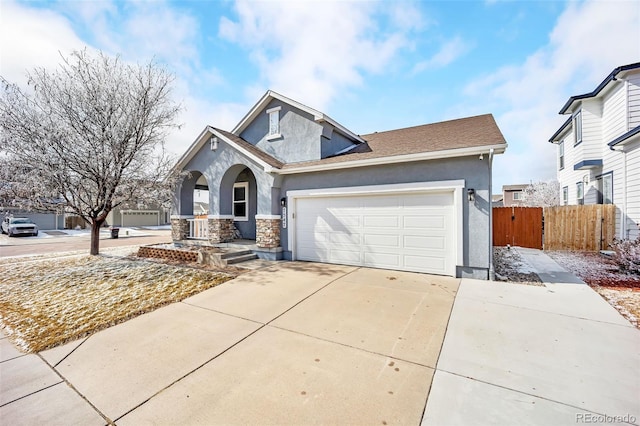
<point>449,52</point>
<point>588,41</point>
<point>32,38</point>
<point>314,51</point>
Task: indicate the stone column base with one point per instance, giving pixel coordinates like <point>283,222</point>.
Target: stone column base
<point>179,229</point>
<point>220,230</point>
<point>268,233</point>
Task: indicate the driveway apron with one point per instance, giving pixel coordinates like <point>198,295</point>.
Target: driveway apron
<point>292,343</point>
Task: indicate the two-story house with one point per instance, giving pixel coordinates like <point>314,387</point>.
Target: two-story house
<point>512,195</point>
<point>305,187</point>
<point>598,148</point>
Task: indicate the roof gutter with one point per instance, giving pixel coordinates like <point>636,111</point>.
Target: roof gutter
<point>562,128</point>
<point>421,156</point>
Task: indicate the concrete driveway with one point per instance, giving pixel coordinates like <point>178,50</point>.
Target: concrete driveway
<point>295,343</point>
<point>305,343</point>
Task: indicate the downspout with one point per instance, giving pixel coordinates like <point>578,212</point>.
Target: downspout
<point>623,210</point>
<point>492,273</point>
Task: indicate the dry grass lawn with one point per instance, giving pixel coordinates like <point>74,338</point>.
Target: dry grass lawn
<point>46,303</point>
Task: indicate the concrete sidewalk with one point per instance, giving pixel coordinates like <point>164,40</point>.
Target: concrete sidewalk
<point>547,269</point>
<point>517,354</point>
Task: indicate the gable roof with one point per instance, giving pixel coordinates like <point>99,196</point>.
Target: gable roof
<point>265,160</point>
<point>318,116</point>
<point>447,139</point>
<point>611,77</point>
<point>453,138</point>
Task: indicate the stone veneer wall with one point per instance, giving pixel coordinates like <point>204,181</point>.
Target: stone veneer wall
<point>220,230</point>
<point>268,233</point>
<point>179,229</point>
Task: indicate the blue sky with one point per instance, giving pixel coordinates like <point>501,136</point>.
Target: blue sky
<point>371,66</point>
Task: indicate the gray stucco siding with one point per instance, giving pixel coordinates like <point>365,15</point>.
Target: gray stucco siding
<point>475,214</point>
<point>300,134</point>
<point>336,143</point>
<point>221,168</point>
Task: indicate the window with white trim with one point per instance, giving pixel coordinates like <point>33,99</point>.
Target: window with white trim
<point>241,201</point>
<point>561,155</point>
<point>605,188</point>
<point>565,195</point>
<point>517,195</point>
<point>577,128</point>
<point>274,122</point>
<point>580,192</point>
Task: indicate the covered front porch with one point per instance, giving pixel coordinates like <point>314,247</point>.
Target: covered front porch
<point>222,208</point>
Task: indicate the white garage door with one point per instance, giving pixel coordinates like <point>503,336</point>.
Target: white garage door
<point>411,232</point>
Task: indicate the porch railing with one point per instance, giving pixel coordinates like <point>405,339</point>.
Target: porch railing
<point>198,229</point>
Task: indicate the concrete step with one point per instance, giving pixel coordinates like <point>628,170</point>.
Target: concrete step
<point>234,253</point>
<point>240,259</point>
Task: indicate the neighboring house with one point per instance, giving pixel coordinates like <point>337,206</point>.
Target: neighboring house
<point>598,148</point>
<point>46,221</point>
<point>153,216</point>
<point>512,195</point>
<point>200,208</point>
<point>496,200</point>
<point>307,188</point>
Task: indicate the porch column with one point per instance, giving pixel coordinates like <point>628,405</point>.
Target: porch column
<point>180,227</point>
<point>220,229</point>
<point>268,231</point>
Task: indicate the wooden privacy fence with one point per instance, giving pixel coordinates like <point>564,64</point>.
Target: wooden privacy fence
<point>517,226</point>
<point>582,228</point>
<point>585,228</point>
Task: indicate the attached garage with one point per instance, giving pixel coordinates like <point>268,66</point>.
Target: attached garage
<point>410,227</point>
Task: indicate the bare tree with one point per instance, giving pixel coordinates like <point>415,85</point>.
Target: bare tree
<point>542,194</point>
<point>89,135</point>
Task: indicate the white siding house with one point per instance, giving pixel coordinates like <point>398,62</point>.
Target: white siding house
<point>598,148</point>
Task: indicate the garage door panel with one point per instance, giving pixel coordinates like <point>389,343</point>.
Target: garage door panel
<point>390,240</point>
<point>382,203</point>
<point>349,257</point>
<point>436,264</point>
<point>434,199</point>
<point>382,260</point>
<point>425,242</point>
<point>425,222</point>
<point>413,232</point>
<point>382,221</point>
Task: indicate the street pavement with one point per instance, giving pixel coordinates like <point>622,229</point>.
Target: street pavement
<point>72,241</point>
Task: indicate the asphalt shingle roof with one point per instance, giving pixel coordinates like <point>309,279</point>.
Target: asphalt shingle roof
<point>470,132</point>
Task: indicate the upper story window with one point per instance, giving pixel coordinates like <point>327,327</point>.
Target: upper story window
<point>577,128</point>
<point>580,191</point>
<point>565,195</point>
<point>517,196</point>
<point>241,201</point>
<point>274,122</point>
<point>561,155</point>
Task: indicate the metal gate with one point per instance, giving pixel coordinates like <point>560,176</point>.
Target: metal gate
<point>517,226</point>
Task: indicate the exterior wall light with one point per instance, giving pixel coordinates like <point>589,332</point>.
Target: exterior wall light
<point>283,202</point>
<point>471,194</point>
<point>214,143</point>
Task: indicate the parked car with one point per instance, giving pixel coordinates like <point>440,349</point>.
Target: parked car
<point>13,226</point>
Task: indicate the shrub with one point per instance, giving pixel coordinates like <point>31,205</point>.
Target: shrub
<point>627,254</point>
